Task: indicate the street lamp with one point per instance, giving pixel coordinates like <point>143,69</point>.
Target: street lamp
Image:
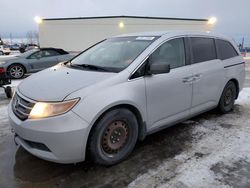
<point>38,19</point>
<point>121,25</point>
<point>212,21</point>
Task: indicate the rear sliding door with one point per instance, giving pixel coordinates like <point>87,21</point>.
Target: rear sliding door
<point>208,74</point>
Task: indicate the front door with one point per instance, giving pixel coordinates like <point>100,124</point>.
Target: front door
<point>169,95</point>
<point>42,59</point>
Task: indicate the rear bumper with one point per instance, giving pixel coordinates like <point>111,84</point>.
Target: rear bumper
<point>60,139</point>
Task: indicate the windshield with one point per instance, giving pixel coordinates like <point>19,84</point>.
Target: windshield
<point>113,54</point>
<point>28,53</point>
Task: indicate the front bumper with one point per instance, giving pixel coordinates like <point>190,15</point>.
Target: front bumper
<point>60,139</point>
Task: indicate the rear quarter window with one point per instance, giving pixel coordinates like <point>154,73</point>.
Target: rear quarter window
<point>225,49</point>
<point>49,53</point>
<point>61,51</point>
<point>203,49</point>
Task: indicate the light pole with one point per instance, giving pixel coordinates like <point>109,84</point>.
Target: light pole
<point>38,21</point>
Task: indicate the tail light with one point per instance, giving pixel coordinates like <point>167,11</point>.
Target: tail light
<point>2,70</point>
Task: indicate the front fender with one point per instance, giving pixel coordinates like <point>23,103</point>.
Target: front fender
<point>95,104</point>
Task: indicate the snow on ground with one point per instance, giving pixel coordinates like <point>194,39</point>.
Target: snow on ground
<point>15,83</point>
<point>244,97</point>
<point>4,124</point>
<point>219,155</point>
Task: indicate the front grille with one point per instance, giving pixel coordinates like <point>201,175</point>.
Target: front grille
<point>21,107</point>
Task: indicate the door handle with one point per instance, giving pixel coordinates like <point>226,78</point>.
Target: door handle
<point>187,79</point>
<point>196,77</point>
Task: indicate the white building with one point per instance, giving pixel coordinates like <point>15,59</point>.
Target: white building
<point>76,34</point>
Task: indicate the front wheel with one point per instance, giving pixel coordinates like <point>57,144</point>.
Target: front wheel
<point>227,98</point>
<point>16,71</point>
<point>114,137</point>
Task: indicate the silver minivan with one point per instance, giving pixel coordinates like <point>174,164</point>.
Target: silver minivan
<point>122,89</point>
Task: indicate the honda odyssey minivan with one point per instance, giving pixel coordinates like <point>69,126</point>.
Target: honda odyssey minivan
<point>100,103</point>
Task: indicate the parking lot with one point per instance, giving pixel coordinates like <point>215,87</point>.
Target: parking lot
<point>210,150</point>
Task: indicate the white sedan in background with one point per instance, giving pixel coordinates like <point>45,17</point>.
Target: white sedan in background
<point>4,50</point>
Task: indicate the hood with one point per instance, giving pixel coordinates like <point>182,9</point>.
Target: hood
<point>56,83</point>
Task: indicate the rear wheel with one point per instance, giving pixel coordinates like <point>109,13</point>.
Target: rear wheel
<point>228,98</point>
<point>16,71</point>
<point>114,137</point>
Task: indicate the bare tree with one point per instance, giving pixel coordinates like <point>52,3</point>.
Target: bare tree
<point>32,37</point>
<point>36,37</point>
<point>11,38</point>
<point>1,41</point>
<point>29,36</point>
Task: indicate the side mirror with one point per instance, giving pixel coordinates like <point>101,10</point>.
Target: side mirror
<point>159,68</point>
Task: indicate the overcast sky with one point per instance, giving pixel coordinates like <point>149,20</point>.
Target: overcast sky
<point>16,16</point>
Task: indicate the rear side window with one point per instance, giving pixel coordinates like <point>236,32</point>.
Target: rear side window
<point>203,49</point>
<point>49,53</point>
<point>225,49</point>
<point>61,51</point>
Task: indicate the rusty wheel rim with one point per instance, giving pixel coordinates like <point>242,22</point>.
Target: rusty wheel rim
<point>228,97</point>
<point>115,137</point>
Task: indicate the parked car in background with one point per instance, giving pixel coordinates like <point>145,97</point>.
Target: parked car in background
<point>4,49</point>
<point>31,48</point>
<point>122,89</point>
<point>14,47</point>
<point>33,61</point>
<point>26,47</point>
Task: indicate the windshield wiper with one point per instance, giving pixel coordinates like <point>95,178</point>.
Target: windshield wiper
<point>92,67</point>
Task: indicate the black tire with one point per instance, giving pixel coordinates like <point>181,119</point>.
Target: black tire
<point>228,97</point>
<point>108,134</point>
<point>16,71</point>
<point>8,92</point>
<point>1,53</point>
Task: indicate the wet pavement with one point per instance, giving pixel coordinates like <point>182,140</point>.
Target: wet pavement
<point>22,169</point>
<point>19,168</point>
<point>154,162</point>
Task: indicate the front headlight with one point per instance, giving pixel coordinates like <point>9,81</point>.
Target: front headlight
<point>44,110</point>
